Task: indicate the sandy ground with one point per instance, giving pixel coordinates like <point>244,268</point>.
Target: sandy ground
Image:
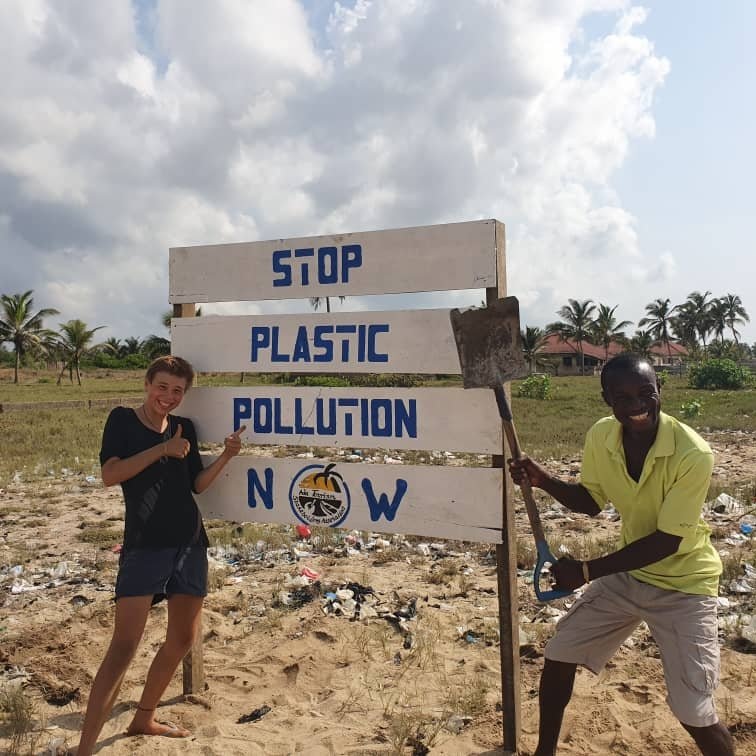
<point>426,682</point>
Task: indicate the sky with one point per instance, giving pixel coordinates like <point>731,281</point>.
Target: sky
<point>614,140</point>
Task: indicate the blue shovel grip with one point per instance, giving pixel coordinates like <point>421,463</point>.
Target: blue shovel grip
<point>545,555</point>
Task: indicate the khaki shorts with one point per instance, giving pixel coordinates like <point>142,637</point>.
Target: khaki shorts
<point>684,627</point>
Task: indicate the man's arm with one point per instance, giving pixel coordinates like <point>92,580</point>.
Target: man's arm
<point>574,496</point>
<point>652,548</point>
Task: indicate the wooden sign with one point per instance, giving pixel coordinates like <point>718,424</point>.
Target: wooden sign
<point>410,341</point>
<point>459,503</point>
<point>451,419</point>
<point>425,258</point>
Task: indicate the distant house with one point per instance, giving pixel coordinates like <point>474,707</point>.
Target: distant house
<point>565,357</point>
<point>673,356</point>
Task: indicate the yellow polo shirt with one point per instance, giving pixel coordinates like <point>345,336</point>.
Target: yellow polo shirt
<point>669,496</point>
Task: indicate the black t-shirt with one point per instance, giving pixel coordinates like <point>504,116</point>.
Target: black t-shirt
<point>160,509</point>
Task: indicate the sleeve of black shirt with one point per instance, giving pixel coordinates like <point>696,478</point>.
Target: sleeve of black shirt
<point>114,436</point>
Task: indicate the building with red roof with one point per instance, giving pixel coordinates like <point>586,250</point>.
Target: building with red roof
<point>564,356</point>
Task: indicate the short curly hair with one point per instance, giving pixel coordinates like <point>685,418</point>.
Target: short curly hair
<point>625,362</point>
<point>173,366</point>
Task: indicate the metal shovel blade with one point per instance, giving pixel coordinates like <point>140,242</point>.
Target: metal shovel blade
<point>489,343</point>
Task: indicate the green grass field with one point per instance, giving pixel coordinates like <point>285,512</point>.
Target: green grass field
<point>40,441</point>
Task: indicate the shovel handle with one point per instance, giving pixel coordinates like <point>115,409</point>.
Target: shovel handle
<point>543,551</point>
<point>514,448</point>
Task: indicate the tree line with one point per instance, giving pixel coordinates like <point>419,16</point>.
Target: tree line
<point>23,330</point>
<point>702,324</point>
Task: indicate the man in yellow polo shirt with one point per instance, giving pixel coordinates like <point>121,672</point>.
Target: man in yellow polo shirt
<point>656,472</point>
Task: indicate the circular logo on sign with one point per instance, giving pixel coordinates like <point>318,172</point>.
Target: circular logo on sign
<point>319,496</point>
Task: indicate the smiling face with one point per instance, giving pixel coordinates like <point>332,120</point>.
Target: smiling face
<point>164,393</point>
<point>634,397</point>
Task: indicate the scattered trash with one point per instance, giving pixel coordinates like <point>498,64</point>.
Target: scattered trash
<point>23,586</point>
<point>300,595</point>
<point>60,571</point>
<point>301,553</point>
<point>56,747</point>
<point>309,574</point>
<point>746,583</point>
<point>457,722</point>
<point>726,504</point>
<point>749,631</point>
<point>303,531</point>
<point>253,716</point>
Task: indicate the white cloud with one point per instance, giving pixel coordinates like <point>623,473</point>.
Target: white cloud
<point>253,125</point>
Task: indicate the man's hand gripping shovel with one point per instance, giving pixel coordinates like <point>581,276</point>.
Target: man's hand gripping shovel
<point>490,354</point>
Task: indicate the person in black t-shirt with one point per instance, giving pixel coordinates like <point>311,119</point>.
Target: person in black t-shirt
<point>155,458</point>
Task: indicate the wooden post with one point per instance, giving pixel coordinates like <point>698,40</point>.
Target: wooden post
<point>506,563</point>
<point>193,668</point>
<point>185,310</point>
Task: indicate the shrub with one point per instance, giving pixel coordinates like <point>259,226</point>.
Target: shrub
<point>535,387</point>
<point>364,380</point>
<point>111,362</point>
<point>691,409</point>
<point>719,374</point>
<point>320,380</point>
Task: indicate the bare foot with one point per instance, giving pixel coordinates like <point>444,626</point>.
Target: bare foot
<point>154,727</point>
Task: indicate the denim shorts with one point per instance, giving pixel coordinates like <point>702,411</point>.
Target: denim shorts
<point>683,625</point>
<point>162,572</point>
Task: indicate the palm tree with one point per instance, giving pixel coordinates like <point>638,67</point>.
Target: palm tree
<point>156,346</point>
<point>112,346</point>
<point>315,302</point>
<point>533,342</point>
<point>575,325</point>
<point>735,314</point>
<point>726,348</point>
<point>20,327</point>
<point>641,343</point>
<point>658,318</point>
<point>683,324</point>
<point>74,343</point>
<point>605,329</point>
<point>131,345</point>
<point>699,306</point>
<point>718,318</point>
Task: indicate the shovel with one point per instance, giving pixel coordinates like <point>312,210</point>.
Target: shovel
<point>490,354</point>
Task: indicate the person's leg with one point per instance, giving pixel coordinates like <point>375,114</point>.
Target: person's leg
<point>554,694</point>
<point>130,618</point>
<point>588,635</point>
<point>714,740</point>
<point>686,631</point>
<point>183,621</point>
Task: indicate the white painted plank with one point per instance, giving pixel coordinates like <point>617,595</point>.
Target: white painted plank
<point>451,419</point>
<point>410,341</point>
<point>459,503</point>
<point>425,258</point>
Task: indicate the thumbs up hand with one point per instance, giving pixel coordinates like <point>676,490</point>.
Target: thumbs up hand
<point>232,443</point>
<point>178,446</point>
